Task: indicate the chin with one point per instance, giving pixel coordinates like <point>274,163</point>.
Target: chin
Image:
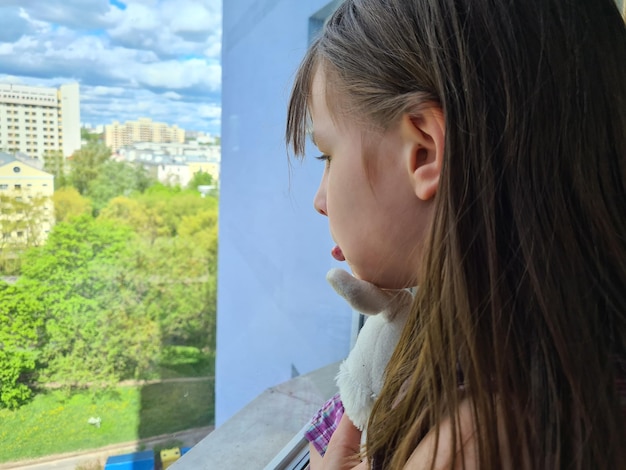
<point>383,282</point>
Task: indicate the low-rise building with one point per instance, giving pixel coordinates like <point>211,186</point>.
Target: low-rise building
<point>197,164</point>
<point>174,163</point>
<point>210,152</point>
<point>168,171</point>
<point>179,171</point>
<point>26,207</point>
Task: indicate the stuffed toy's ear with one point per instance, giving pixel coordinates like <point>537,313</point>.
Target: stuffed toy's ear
<point>365,297</point>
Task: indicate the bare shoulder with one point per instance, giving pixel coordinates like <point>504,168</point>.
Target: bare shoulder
<point>465,456</point>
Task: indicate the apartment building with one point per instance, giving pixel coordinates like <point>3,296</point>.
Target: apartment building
<point>37,120</point>
<point>118,135</point>
<point>26,207</point>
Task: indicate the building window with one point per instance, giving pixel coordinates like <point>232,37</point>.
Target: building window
<point>20,234</point>
<point>4,186</point>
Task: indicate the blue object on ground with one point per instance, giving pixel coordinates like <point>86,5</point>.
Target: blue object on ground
<point>135,461</point>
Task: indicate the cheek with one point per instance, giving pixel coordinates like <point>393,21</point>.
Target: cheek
<point>344,197</point>
<point>344,212</point>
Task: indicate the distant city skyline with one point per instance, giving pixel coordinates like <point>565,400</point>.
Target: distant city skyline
<point>132,58</point>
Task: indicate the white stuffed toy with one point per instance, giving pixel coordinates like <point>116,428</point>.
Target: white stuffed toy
<point>361,375</point>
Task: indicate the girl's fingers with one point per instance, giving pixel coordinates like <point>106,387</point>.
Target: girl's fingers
<point>344,449</point>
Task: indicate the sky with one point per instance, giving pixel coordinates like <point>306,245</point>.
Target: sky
<point>132,58</point>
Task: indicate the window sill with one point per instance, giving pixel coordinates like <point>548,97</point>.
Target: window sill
<point>261,430</point>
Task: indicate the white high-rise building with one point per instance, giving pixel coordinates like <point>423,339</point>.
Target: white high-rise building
<point>37,120</point>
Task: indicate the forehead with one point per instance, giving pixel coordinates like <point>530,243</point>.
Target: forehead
<point>318,100</point>
<point>329,101</point>
<point>321,116</point>
<point>328,107</point>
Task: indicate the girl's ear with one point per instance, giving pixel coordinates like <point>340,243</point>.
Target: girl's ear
<point>424,138</point>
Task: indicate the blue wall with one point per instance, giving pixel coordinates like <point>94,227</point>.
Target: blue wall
<point>275,310</point>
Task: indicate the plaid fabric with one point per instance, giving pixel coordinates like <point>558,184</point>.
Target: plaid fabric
<point>324,423</point>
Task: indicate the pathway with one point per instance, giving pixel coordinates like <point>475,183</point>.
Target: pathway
<point>72,460</point>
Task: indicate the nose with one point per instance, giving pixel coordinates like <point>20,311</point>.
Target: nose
<point>319,201</point>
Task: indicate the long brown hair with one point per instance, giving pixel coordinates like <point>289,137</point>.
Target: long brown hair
<point>523,304</point>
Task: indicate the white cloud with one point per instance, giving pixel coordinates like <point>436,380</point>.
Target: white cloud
<point>131,105</point>
<point>177,27</point>
<point>193,16</point>
<point>11,79</point>
<point>107,91</point>
<point>79,14</point>
<point>178,75</point>
<point>171,95</point>
<point>156,57</point>
<point>134,19</point>
<point>209,111</point>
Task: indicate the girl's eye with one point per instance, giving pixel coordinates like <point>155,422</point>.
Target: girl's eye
<point>324,158</point>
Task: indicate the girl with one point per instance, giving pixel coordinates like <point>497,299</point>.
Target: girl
<point>478,148</point>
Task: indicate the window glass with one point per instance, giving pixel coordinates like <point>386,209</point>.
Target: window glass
<point>108,252</point>
<point>281,263</point>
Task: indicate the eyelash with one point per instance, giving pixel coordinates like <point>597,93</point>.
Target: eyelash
<point>324,158</point>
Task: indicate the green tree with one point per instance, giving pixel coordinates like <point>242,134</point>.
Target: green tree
<point>20,332</point>
<point>68,203</point>
<point>123,291</point>
<point>159,211</point>
<point>175,259</point>
<point>79,275</point>
<point>56,164</point>
<point>23,222</point>
<point>176,204</point>
<point>146,220</point>
<point>89,136</point>
<point>178,290</point>
<point>202,229</point>
<point>200,178</point>
<point>117,179</point>
<point>86,165</point>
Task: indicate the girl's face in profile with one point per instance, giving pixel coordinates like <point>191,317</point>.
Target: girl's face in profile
<point>367,193</point>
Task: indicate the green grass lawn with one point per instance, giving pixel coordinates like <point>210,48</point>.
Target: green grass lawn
<point>56,422</point>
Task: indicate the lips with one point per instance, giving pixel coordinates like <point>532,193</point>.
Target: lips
<point>337,254</point>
